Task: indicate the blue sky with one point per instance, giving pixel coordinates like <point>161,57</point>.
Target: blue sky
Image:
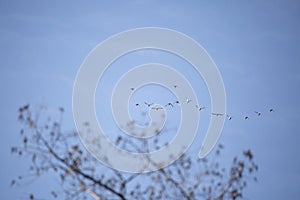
<point>256,46</point>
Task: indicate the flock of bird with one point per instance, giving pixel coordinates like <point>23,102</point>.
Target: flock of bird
<point>199,108</point>
<point>246,117</point>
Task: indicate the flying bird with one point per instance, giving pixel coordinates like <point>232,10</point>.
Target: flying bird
<point>177,102</point>
<point>169,104</point>
<point>229,117</point>
<point>156,108</point>
<point>175,86</point>
<point>149,104</point>
<point>200,108</point>
<point>132,89</point>
<point>246,117</point>
<point>137,105</point>
<point>258,113</point>
<point>217,114</point>
<point>188,100</point>
<point>271,110</point>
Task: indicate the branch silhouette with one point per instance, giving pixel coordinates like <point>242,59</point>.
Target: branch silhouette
<point>81,176</point>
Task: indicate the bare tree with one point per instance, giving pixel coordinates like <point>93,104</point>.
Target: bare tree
<point>82,176</point>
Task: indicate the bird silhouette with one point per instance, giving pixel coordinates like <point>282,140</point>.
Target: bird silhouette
<point>229,117</point>
<point>148,104</point>
<point>188,100</point>
<point>132,89</point>
<point>246,117</point>
<point>258,113</point>
<point>137,104</point>
<point>271,110</point>
<point>175,86</point>
<point>177,102</point>
<point>200,108</point>
<point>217,114</point>
<point>156,108</point>
<point>169,104</point>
